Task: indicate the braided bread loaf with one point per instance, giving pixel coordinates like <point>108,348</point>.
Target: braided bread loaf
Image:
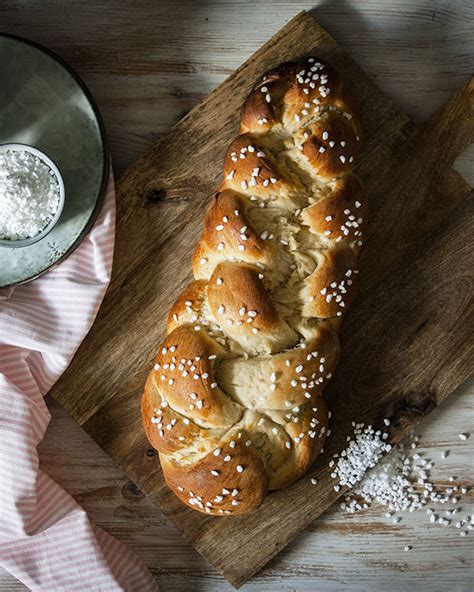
<point>233,404</point>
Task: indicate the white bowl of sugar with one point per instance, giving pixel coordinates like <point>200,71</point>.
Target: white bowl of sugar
<point>31,195</point>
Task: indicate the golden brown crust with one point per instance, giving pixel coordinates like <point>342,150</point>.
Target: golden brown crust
<point>233,486</point>
<point>234,402</point>
<point>341,214</point>
<point>184,376</point>
<point>188,305</point>
<point>244,309</point>
<point>228,233</point>
<point>332,145</point>
<point>293,94</point>
<point>167,430</point>
<point>331,288</point>
<point>259,111</point>
<point>250,169</point>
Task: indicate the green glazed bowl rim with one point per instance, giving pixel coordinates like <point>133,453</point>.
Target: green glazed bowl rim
<point>105,153</point>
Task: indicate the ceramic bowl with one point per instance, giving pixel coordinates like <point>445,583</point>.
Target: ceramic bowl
<point>45,105</point>
<point>13,244</point>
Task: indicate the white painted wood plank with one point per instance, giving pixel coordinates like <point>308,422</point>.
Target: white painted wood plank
<point>148,63</point>
<point>338,551</point>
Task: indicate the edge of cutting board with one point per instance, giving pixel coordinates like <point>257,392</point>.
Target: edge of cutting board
<point>154,184</point>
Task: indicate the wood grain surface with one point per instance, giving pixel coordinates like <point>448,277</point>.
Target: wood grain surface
<point>401,313</point>
<point>338,551</point>
<point>433,97</point>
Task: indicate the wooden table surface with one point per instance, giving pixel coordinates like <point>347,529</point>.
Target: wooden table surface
<point>149,62</point>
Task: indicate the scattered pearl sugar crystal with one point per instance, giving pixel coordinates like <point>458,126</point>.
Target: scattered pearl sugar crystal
<point>363,453</point>
<point>399,480</point>
<point>29,194</point>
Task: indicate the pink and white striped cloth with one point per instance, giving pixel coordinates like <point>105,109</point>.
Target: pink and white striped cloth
<point>46,539</point>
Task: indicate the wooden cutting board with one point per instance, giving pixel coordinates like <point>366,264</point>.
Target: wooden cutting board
<point>407,343</point>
